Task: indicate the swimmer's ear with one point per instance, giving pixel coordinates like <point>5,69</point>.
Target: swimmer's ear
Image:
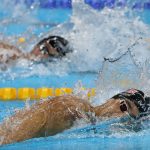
<point>123,106</point>
<point>129,107</point>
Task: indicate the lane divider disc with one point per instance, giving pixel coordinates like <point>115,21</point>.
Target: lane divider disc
<point>26,93</point>
<point>63,91</point>
<point>44,93</point>
<point>8,93</point>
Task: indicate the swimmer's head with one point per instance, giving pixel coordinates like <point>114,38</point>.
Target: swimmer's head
<point>137,97</point>
<point>52,46</point>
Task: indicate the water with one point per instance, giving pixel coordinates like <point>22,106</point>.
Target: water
<point>93,34</point>
<point>106,134</point>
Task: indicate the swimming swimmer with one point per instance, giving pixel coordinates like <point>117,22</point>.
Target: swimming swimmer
<point>59,113</point>
<point>50,47</point>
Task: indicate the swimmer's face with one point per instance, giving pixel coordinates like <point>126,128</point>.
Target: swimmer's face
<point>52,46</point>
<point>44,50</point>
<point>117,108</point>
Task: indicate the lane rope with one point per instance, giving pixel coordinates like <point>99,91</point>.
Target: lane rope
<point>25,93</point>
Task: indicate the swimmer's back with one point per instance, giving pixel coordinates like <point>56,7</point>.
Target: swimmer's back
<point>43,119</point>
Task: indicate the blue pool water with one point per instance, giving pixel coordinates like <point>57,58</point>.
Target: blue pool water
<point>40,21</point>
<point>69,80</point>
<point>50,18</point>
<point>93,143</point>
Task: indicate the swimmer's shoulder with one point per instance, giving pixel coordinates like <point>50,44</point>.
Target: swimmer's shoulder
<point>6,46</point>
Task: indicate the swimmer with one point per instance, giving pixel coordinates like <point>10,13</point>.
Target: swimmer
<point>59,113</point>
<point>50,47</point>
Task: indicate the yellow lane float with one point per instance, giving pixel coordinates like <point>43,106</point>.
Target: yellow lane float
<point>8,93</point>
<point>36,94</point>
<point>26,93</point>
<point>21,40</point>
<point>44,93</point>
<point>63,91</point>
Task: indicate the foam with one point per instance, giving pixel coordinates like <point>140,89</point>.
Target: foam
<point>94,35</point>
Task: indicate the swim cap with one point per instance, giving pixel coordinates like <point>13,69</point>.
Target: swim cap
<point>60,44</point>
<point>137,97</point>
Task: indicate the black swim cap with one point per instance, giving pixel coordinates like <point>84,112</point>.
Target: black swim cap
<point>137,97</point>
<point>60,44</point>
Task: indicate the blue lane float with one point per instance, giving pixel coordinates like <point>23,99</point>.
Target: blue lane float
<point>47,4</point>
<point>100,4</point>
<point>141,5</point>
<point>147,5</point>
<point>66,3</point>
<point>51,3</point>
<point>121,3</point>
<point>96,4</point>
<point>137,6</point>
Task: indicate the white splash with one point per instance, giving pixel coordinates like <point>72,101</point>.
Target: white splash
<point>94,35</point>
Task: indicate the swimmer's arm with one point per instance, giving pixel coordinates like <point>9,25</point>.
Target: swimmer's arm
<point>22,126</point>
<point>9,52</point>
<point>4,45</point>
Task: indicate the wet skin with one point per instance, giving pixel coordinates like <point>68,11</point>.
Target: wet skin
<point>35,54</point>
<point>53,46</point>
<point>58,114</point>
